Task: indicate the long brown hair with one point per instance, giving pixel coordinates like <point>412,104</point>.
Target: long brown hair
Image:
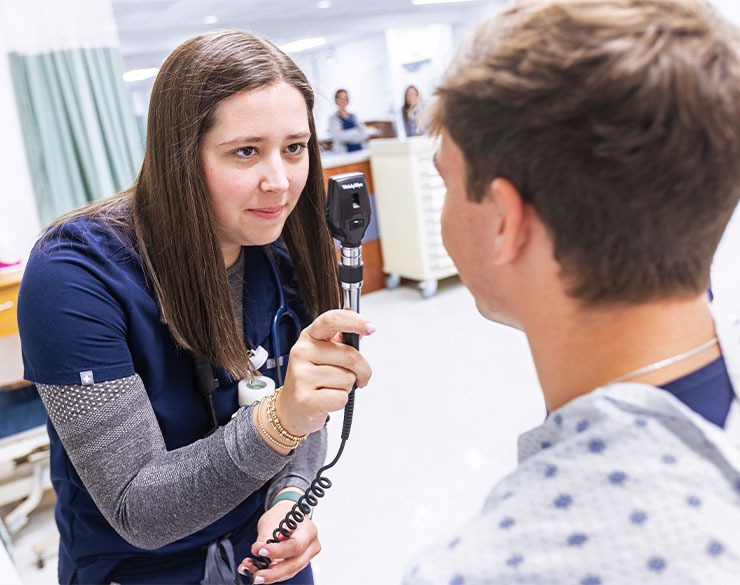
<point>406,105</point>
<point>174,229</point>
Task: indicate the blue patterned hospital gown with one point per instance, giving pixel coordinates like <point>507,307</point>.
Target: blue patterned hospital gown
<point>625,485</point>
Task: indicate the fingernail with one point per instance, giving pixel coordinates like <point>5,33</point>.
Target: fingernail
<point>370,328</point>
<point>243,570</point>
<point>263,552</point>
<point>259,580</point>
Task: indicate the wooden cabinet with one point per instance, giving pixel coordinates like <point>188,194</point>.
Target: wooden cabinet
<point>11,361</point>
<point>374,279</point>
<point>10,282</point>
<point>409,196</point>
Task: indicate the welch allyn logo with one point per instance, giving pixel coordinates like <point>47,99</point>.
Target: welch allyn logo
<point>353,186</point>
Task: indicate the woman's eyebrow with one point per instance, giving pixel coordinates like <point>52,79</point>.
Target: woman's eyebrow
<point>258,139</point>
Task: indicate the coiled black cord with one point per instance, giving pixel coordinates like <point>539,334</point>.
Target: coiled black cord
<point>316,490</point>
<point>300,509</point>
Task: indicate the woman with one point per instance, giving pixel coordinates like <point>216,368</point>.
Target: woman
<point>347,132</point>
<point>411,112</point>
<point>139,314</point>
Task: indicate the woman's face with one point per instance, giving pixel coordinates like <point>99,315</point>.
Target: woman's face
<point>412,96</point>
<point>255,164</point>
<point>341,99</point>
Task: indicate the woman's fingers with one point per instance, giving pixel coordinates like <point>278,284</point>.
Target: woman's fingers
<point>287,568</point>
<point>328,324</point>
<point>294,546</point>
<point>289,556</point>
<point>320,370</point>
<point>328,353</point>
<point>316,361</point>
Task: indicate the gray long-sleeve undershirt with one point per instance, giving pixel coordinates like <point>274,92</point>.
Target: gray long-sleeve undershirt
<point>111,435</point>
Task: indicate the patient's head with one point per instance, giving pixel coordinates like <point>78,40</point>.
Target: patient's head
<point>618,122</point>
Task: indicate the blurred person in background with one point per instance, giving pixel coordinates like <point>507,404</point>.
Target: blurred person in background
<point>411,111</point>
<point>348,134</point>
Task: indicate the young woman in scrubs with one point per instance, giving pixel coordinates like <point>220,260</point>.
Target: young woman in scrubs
<point>122,299</point>
<point>347,132</point>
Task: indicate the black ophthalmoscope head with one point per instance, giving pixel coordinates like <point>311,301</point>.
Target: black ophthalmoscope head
<point>348,208</point>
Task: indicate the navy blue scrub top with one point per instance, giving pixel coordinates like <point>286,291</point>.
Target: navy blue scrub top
<point>707,391</point>
<point>348,123</point>
<point>84,305</point>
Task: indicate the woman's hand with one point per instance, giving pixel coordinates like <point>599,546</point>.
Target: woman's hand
<point>288,556</point>
<point>322,371</point>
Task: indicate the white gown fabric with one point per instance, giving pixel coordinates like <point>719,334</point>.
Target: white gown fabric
<point>623,485</point>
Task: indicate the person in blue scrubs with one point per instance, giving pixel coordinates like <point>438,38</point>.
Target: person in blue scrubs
<point>347,132</point>
<point>140,314</point>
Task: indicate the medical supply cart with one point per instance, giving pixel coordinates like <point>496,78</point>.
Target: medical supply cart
<point>409,194</point>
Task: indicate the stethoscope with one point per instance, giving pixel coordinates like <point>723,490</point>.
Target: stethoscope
<point>283,312</point>
<point>254,389</point>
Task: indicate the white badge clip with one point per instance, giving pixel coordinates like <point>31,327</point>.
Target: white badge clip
<point>253,390</point>
<point>258,357</point>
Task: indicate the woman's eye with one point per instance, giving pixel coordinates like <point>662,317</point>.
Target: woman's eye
<point>296,148</point>
<point>246,152</point>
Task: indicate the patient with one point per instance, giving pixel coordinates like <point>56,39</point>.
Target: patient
<point>590,151</point>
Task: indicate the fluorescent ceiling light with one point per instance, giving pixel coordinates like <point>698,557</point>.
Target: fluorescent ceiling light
<point>323,4</point>
<point>422,2</point>
<point>140,74</point>
<point>303,44</point>
<point>210,19</point>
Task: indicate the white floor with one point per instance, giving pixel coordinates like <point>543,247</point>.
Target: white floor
<point>434,430</point>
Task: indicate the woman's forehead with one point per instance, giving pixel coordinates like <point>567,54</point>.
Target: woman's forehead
<point>274,111</point>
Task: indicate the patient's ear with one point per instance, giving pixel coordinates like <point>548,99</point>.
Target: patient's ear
<point>509,220</point>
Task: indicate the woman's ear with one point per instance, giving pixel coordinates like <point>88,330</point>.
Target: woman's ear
<point>511,231</point>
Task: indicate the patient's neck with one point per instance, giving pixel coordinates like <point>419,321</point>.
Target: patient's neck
<point>578,349</point>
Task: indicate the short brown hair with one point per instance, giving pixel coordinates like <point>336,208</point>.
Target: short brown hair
<point>619,122</point>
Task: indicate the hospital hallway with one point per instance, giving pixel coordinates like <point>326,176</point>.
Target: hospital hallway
<point>438,366</point>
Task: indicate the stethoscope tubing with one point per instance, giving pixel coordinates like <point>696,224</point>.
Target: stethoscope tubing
<point>283,311</point>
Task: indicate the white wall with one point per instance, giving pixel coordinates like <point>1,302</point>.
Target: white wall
<point>417,56</point>
<point>19,222</point>
<point>360,67</point>
<point>367,64</point>
<point>729,8</point>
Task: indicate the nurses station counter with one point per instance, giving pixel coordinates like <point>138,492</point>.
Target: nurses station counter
<point>372,257</point>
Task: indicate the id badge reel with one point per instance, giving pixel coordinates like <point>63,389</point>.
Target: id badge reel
<point>257,388</point>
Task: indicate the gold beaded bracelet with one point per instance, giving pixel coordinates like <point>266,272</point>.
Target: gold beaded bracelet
<point>275,421</point>
<point>264,431</point>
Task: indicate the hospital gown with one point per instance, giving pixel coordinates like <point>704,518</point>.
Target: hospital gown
<point>624,485</point>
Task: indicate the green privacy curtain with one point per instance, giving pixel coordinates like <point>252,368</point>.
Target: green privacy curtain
<point>80,132</point>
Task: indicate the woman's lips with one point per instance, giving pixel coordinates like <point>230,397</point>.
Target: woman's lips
<point>268,212</point>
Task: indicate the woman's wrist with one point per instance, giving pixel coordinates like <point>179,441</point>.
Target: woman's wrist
<point>271,438</point>
<point>291,494</point>
<point>287,436</point>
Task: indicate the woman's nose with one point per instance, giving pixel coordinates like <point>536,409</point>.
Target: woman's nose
<point>275,177</point>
